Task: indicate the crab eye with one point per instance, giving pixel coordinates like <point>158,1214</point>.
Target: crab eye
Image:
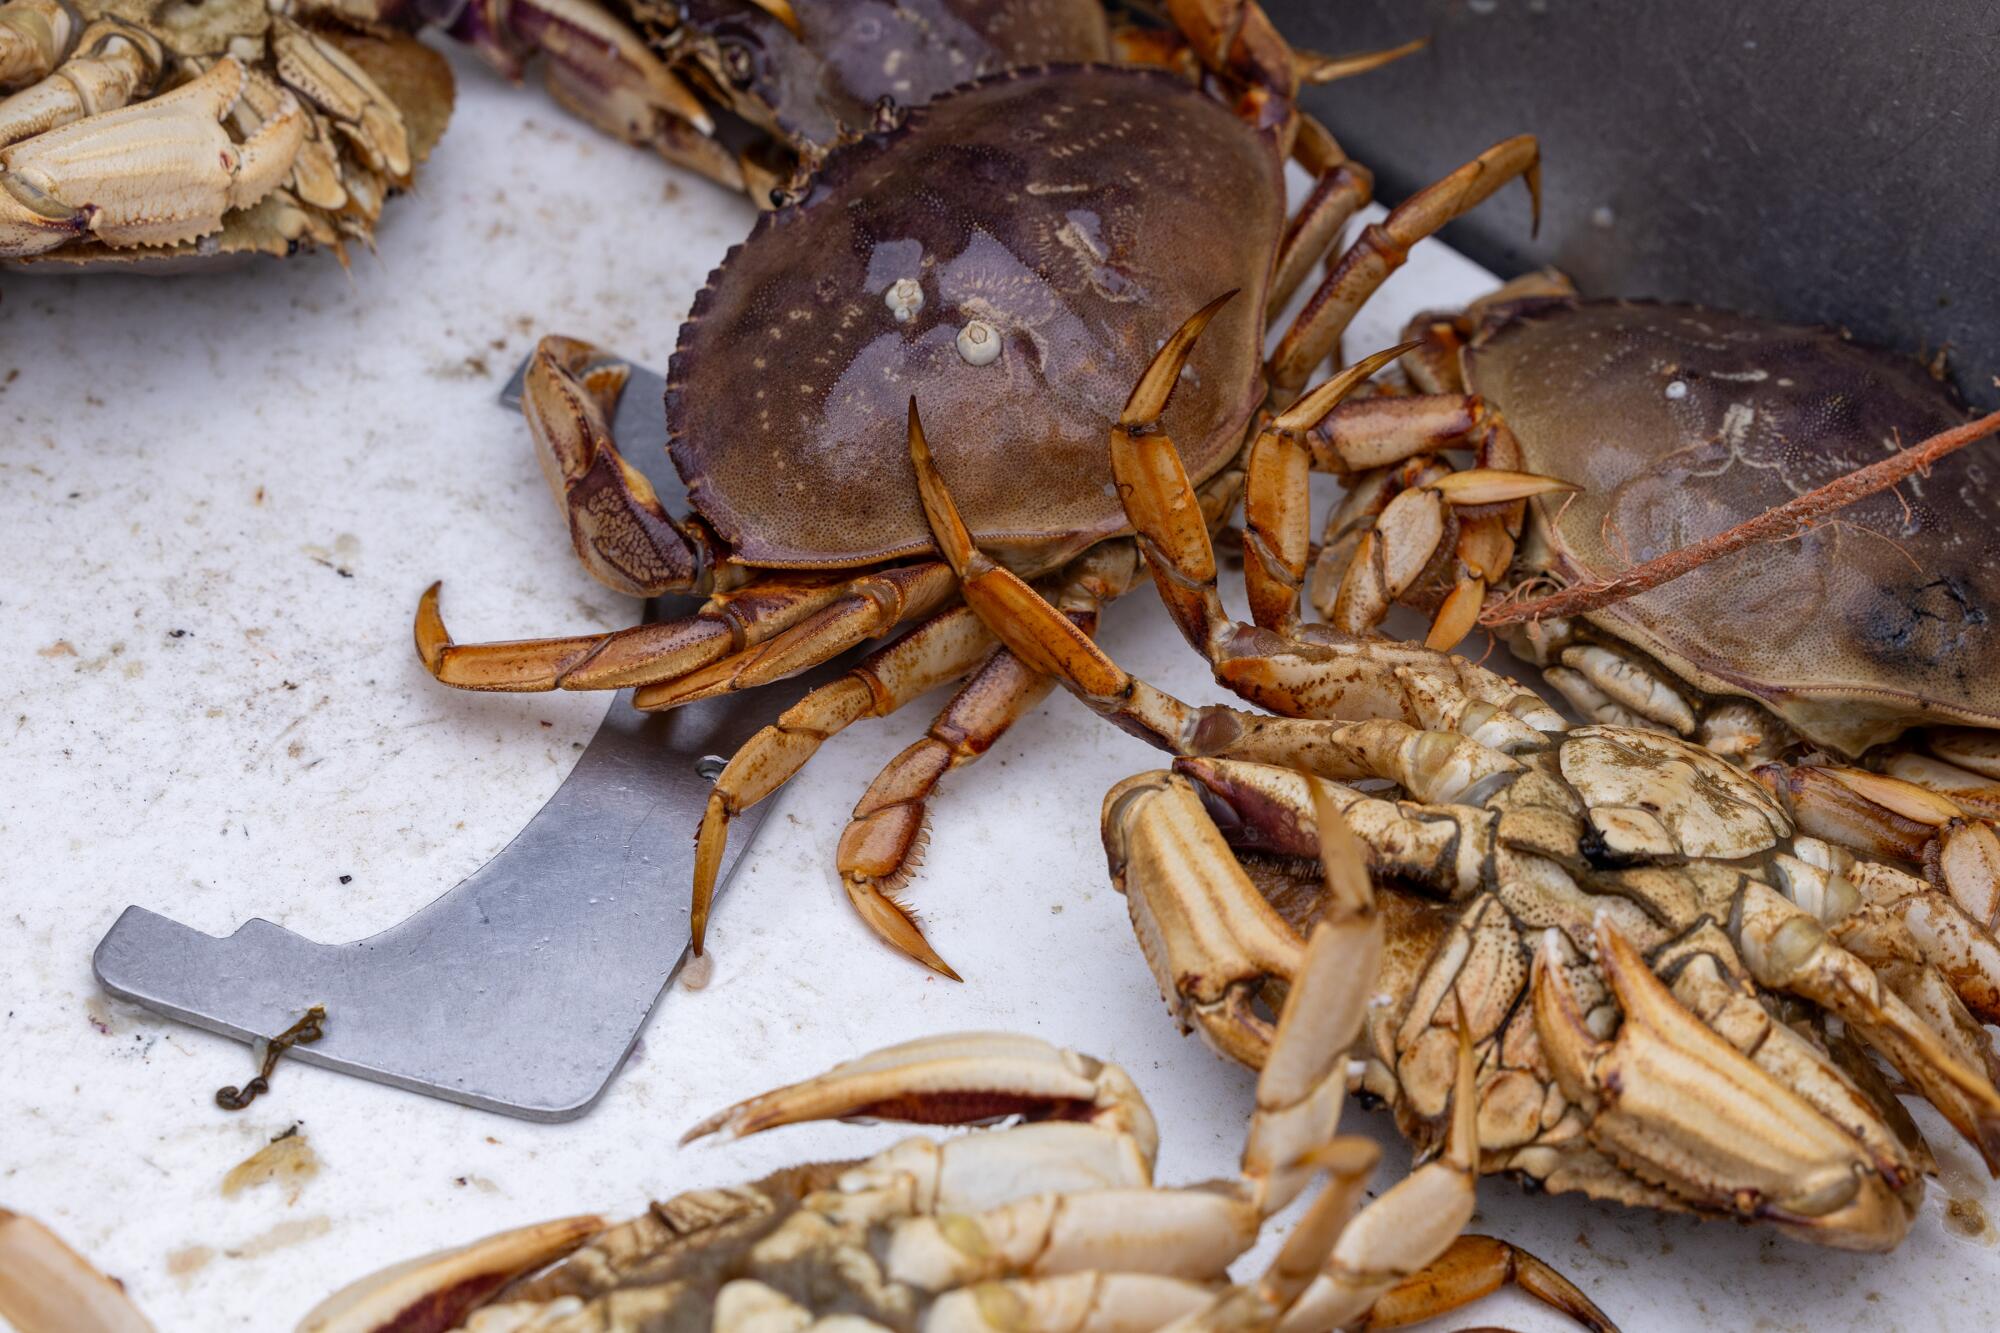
<point>737,63</point>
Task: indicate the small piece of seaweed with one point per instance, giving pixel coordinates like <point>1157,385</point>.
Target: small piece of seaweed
<point>307,1030</point>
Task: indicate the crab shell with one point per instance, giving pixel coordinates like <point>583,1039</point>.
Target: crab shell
<point>1079,213</point>
<point>1679,422</point>
<point>815,87</point>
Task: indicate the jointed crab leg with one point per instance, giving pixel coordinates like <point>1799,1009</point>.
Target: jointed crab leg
<point>878,848</point>
<point>942,649</point>
<point>604,74</point>
<point>1384,246</point>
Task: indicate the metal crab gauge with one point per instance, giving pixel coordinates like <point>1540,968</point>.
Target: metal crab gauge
<point>522,988</point>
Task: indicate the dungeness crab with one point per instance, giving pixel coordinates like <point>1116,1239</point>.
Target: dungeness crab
<point>1676,995</point>
<point>164,133</point>
<point>1052,1225</point>
<point>1011,252</point>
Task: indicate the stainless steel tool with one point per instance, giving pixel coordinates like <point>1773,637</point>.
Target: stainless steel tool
<point>522,989</point>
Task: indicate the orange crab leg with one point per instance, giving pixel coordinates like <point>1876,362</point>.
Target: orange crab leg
<point>1384,246</point>
<point>939,650</point>
<point>867,606</point>
<point>623,657</point>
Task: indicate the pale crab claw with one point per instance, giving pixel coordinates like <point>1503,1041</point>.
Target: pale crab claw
<point>46,1287</point>
<point>1211,941</point>
<point>1102,1132</point>
<point>159,173</point>
<point>1668,1095</point>
<point>440,1288</point>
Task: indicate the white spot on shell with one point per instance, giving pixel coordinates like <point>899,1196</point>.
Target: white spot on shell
<point>1603,218</point>
<point>904,298</point>
<point>978,343</point>
<point>1677,391</point>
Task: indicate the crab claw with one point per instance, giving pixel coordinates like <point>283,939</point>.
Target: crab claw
<point>1680,1104</point>
<point>1211,940</point>
<point>954,1079</point>
<point>158,173</point>
<point>433,1293</point>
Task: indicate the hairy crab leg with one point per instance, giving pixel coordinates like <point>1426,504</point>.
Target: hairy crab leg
<point>158,173</point>
<point>941,649</point>
<point>1384,246</point>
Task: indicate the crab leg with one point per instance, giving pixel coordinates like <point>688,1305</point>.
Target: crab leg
<point>941,649</point>
<point>112,63</point>
<point>1315,677</point>
<point>1881,816</point>
<point>1669,1096</point>
<point>1477,1266</point>
<point>1341,187</point>
<point>158,173</point>
<point>1384,246</point>
<point>620,658</point>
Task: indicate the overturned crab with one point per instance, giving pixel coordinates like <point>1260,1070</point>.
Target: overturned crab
<point>161,133</point>
<point>1052,1225</point>
<point>1626,919</point>
<point>1014,250</point>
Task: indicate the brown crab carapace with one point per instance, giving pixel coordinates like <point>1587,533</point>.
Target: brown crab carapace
<point>1014,254</point>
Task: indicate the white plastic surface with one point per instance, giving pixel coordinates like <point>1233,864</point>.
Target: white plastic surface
<point>219,499</point>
